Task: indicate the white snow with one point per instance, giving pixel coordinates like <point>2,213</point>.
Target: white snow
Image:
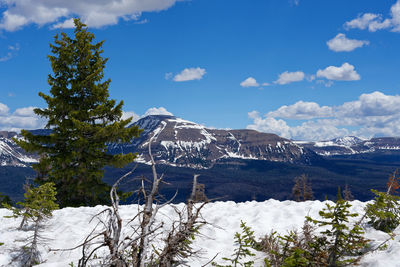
<point>238,155</point>
<point>325,143</point>
<point>387,147</point>
<point>69,226</point>
<point>10,155</point>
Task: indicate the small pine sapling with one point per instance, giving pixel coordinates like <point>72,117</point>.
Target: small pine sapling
<point>244,241</point>
<point>384,212</point>
<point>343,241</point>
<point>39,205</point>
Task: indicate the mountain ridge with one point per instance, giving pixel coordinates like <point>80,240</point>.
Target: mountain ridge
<point>182,143</point>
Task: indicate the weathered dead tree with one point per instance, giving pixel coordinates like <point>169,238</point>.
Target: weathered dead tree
<point>136,247</point>
<point>347,194</point>
<point>302,189</point>
<point>178,242</point>
<point>198,191</point>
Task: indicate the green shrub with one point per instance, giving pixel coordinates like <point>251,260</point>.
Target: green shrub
<point>38,205</point>
<point>337,245</point>
<point>384,212</point>
<point>344,245</point>
<point>295,249</point>
<point>244,241</point>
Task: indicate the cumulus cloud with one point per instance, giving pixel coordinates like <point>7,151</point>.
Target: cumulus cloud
<point>157,111</point>
<point>25,118</point>
<point>249,82</point>
<point>301,110</point>
<point>190,74</point>
<point>4,109</point>
<point>374,22</point>
<point>150,111</point>
<point>289,77</point>
<point>269,125</point>
<point>95,13</point>
<point>370,21</point>
<point>22,118</point>
<point>340,43</point>
<point>395,11</point>
<point>373,114</point>
<point>130,114</point>
<point>345,72</point>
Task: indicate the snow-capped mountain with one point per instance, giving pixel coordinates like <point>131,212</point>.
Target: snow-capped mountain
<point>351,145</point>
<point>180,142</point>
<point>11,154</point>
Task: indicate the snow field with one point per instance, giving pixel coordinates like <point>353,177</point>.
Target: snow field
<point>69,226</point>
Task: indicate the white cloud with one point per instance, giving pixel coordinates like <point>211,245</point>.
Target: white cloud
<point>289,77</point>
<point>361,22</point>
<point>374,22</point>
<point>345,72</point>
<point>301,110</point>
<point>249,82</point>
<point>130,114</point>
<point>25,112</point>
<point>395,11</point>
<point>4,109</point>
<point>22,118</point>
<point>150,111</point>
<point>157,111</point>
<point>373,114</point>
<point>66,24</point>
<point>58,13</point>
<point>340,43</point>
<point>190,74</point>
<point>25,118</point>
<point>269,125</point>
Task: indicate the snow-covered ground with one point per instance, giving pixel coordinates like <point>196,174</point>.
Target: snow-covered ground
<point>69,226</point>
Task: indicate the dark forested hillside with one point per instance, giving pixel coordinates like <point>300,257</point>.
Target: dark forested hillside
<point>242,180</point>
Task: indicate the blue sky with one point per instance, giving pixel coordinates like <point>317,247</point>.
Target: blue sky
<point>304,69</point>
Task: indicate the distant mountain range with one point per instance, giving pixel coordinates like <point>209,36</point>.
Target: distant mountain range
<point>182,143</point>
<point>352,145</point>
<point>234,165</point>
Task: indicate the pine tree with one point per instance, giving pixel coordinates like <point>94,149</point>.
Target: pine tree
<point>83,121</point>
<point>343,240</point>
<point>384,212</point>
<point>38,206</point>
<point>244,242</point>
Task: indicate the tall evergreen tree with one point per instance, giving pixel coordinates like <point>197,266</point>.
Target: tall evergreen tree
<point>83,120</point>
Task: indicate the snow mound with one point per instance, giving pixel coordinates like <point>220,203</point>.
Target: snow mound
<point>69,226</point>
